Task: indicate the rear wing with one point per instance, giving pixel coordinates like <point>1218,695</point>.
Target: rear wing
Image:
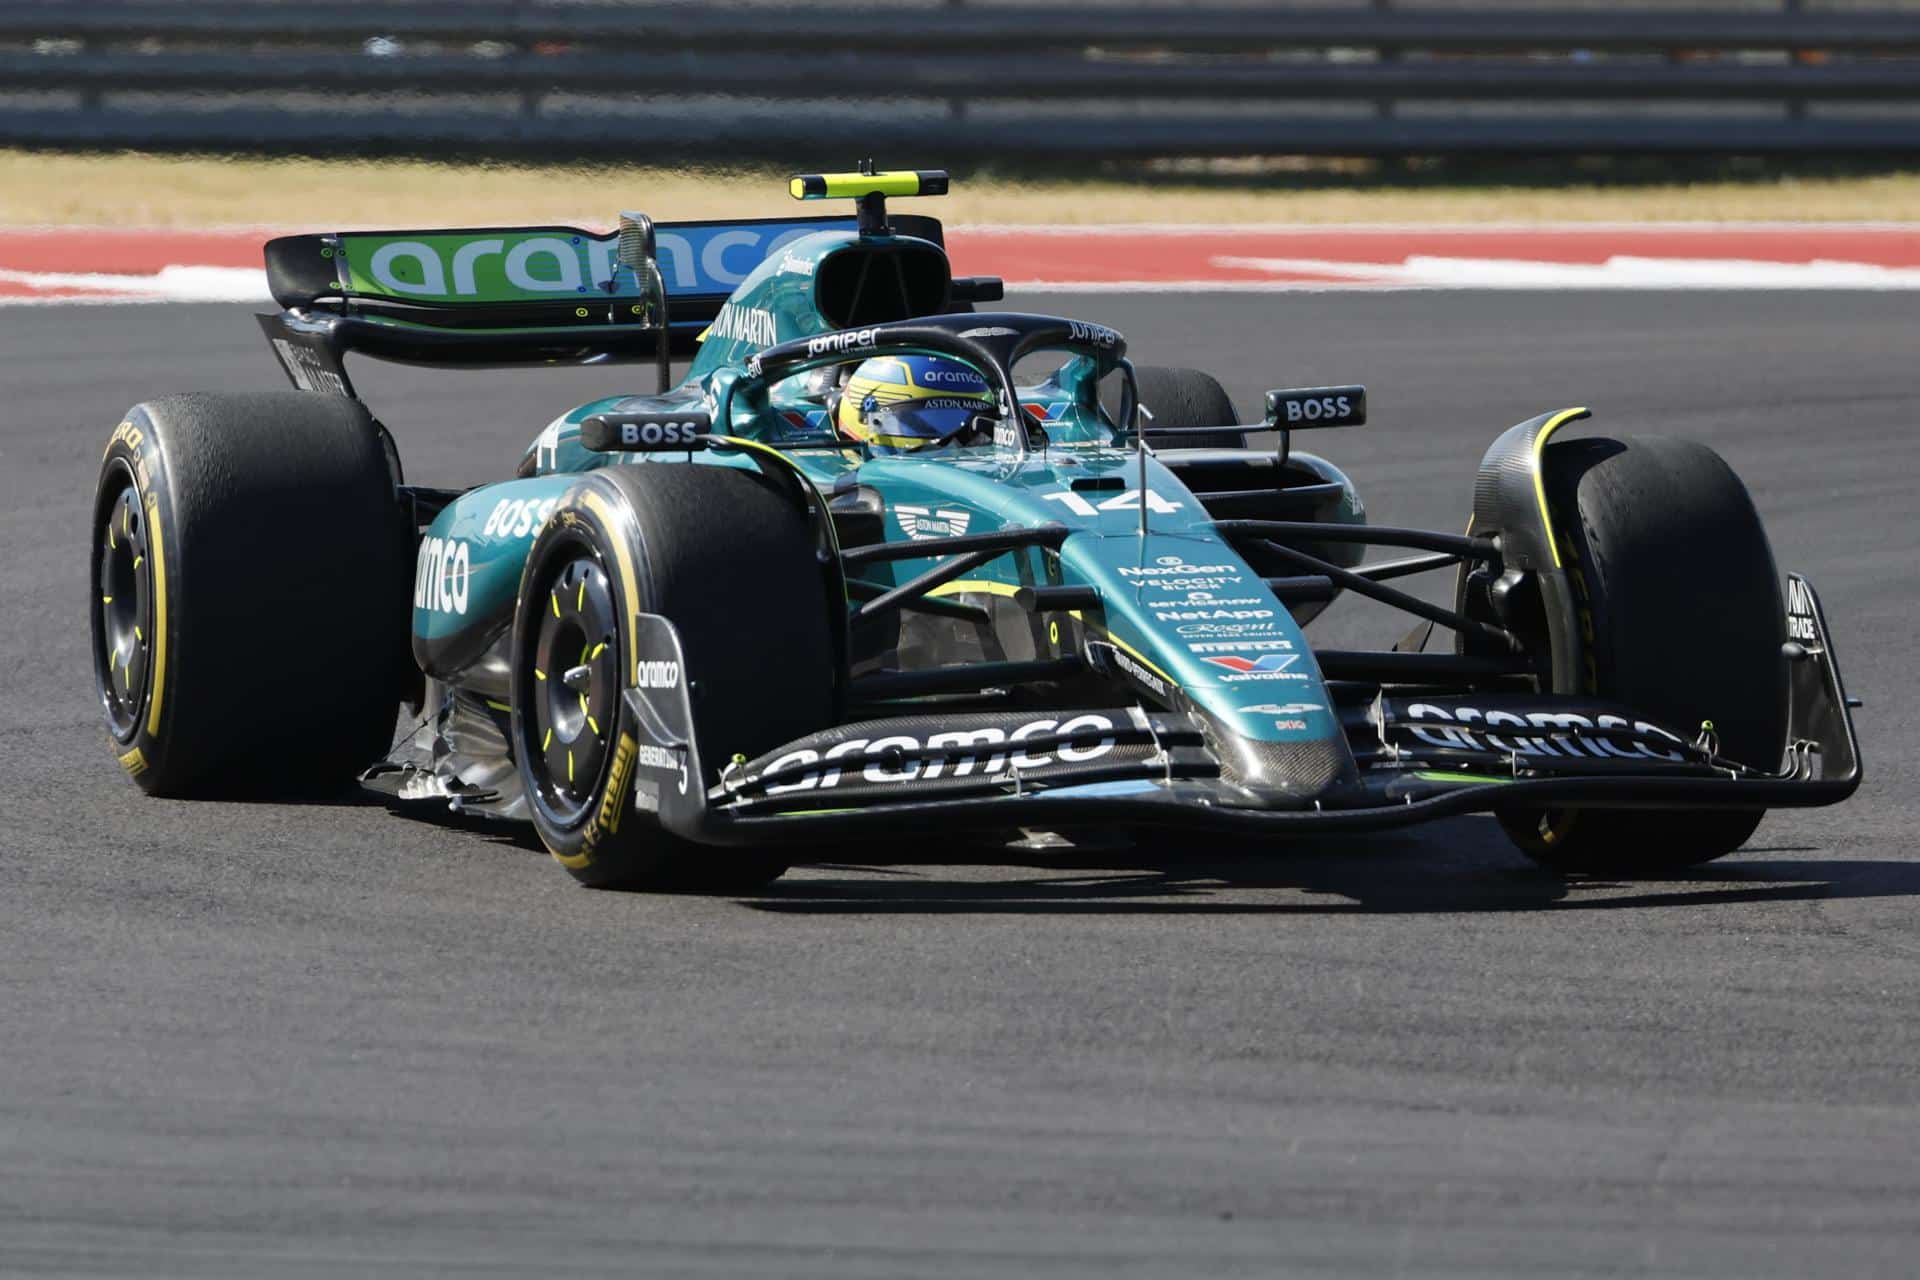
<point>510,295</point>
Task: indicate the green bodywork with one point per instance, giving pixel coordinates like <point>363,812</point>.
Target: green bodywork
<point>1175,597</point>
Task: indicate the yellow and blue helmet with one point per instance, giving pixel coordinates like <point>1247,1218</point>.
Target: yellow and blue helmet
<point>897,404</point>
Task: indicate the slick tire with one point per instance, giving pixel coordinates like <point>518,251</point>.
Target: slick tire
<point>1187,398</point>
<point>249,573</point>
<point>1672,570</point>
<point>728,557</point>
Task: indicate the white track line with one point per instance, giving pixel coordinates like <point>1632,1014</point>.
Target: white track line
<point>169,284</point>
<point>1622,271</point>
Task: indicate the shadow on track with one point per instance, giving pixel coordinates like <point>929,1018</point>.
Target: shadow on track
<point>1472,869</point>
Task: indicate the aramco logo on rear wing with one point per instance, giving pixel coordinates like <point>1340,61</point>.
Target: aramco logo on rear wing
<point>506,266</point>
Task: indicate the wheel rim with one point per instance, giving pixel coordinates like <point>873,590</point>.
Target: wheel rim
<point>574,690</point>
<point>122,608</point>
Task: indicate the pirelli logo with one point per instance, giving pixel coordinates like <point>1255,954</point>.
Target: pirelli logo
<point>613,801</point>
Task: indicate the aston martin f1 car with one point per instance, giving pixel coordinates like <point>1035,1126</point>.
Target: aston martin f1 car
<point>702,630</point>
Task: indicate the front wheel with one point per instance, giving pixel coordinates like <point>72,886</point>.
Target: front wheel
<point>1682,618</point>
<point>728,558</point>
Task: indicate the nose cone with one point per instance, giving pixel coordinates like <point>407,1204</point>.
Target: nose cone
<point>1287,772</point>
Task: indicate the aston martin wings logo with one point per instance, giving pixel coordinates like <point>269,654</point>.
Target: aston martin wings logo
<point>920,523</point>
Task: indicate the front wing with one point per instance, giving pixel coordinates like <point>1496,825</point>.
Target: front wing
<point>934,772</point>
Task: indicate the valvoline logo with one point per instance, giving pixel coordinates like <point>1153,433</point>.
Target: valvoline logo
<point>1265,662</point>
<point>1053,411</point>
<point>808,420</point>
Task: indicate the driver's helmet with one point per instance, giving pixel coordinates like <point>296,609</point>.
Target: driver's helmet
<point>897,404</point>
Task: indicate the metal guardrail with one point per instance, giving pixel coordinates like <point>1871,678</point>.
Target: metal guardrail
<point>1037,81</point>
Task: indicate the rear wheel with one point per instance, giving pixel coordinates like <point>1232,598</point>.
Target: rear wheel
<point>728,558</point>
<point>249,576</point>
<point>1672,569</point>
<point>1187,398</point>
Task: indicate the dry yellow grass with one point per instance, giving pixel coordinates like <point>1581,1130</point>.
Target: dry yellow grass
<point>145,190</point>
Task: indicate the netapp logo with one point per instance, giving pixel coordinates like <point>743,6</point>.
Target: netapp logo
<point>1210,615</point>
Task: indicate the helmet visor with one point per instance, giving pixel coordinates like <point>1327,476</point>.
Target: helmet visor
<point>915,424</point>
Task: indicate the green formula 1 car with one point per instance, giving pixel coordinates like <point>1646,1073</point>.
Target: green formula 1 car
<point>855,576</point>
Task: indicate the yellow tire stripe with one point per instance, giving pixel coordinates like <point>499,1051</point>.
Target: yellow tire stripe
<point>1554,423</point>
<point>630,587</point>
<point>623,562</point>
<point>156,542</point>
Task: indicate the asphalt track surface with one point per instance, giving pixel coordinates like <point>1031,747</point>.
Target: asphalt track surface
<point>250,1040</point>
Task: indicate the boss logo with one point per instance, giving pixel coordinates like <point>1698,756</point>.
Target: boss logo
<point>638,435</point>
<point>1317,407</point>
<point>640,432</point>
<point>517,517</point>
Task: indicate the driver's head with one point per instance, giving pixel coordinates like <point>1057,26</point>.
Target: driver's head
<point>898,404</point>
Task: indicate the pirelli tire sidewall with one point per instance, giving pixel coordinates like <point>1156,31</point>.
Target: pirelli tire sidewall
<point>1680,618</point>
<point>133,457</point>
<point>726,556</point>
<point>1187,398</point>
<point>601,845</point>
<point>276,562</point>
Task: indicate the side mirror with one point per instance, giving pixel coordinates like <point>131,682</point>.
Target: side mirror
<point>636,252</point>
<point>635,248</point>
<point>1292,409</point>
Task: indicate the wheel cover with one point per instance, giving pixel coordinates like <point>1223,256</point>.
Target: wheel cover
<point>573,696</point>
<point>122,607</point>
